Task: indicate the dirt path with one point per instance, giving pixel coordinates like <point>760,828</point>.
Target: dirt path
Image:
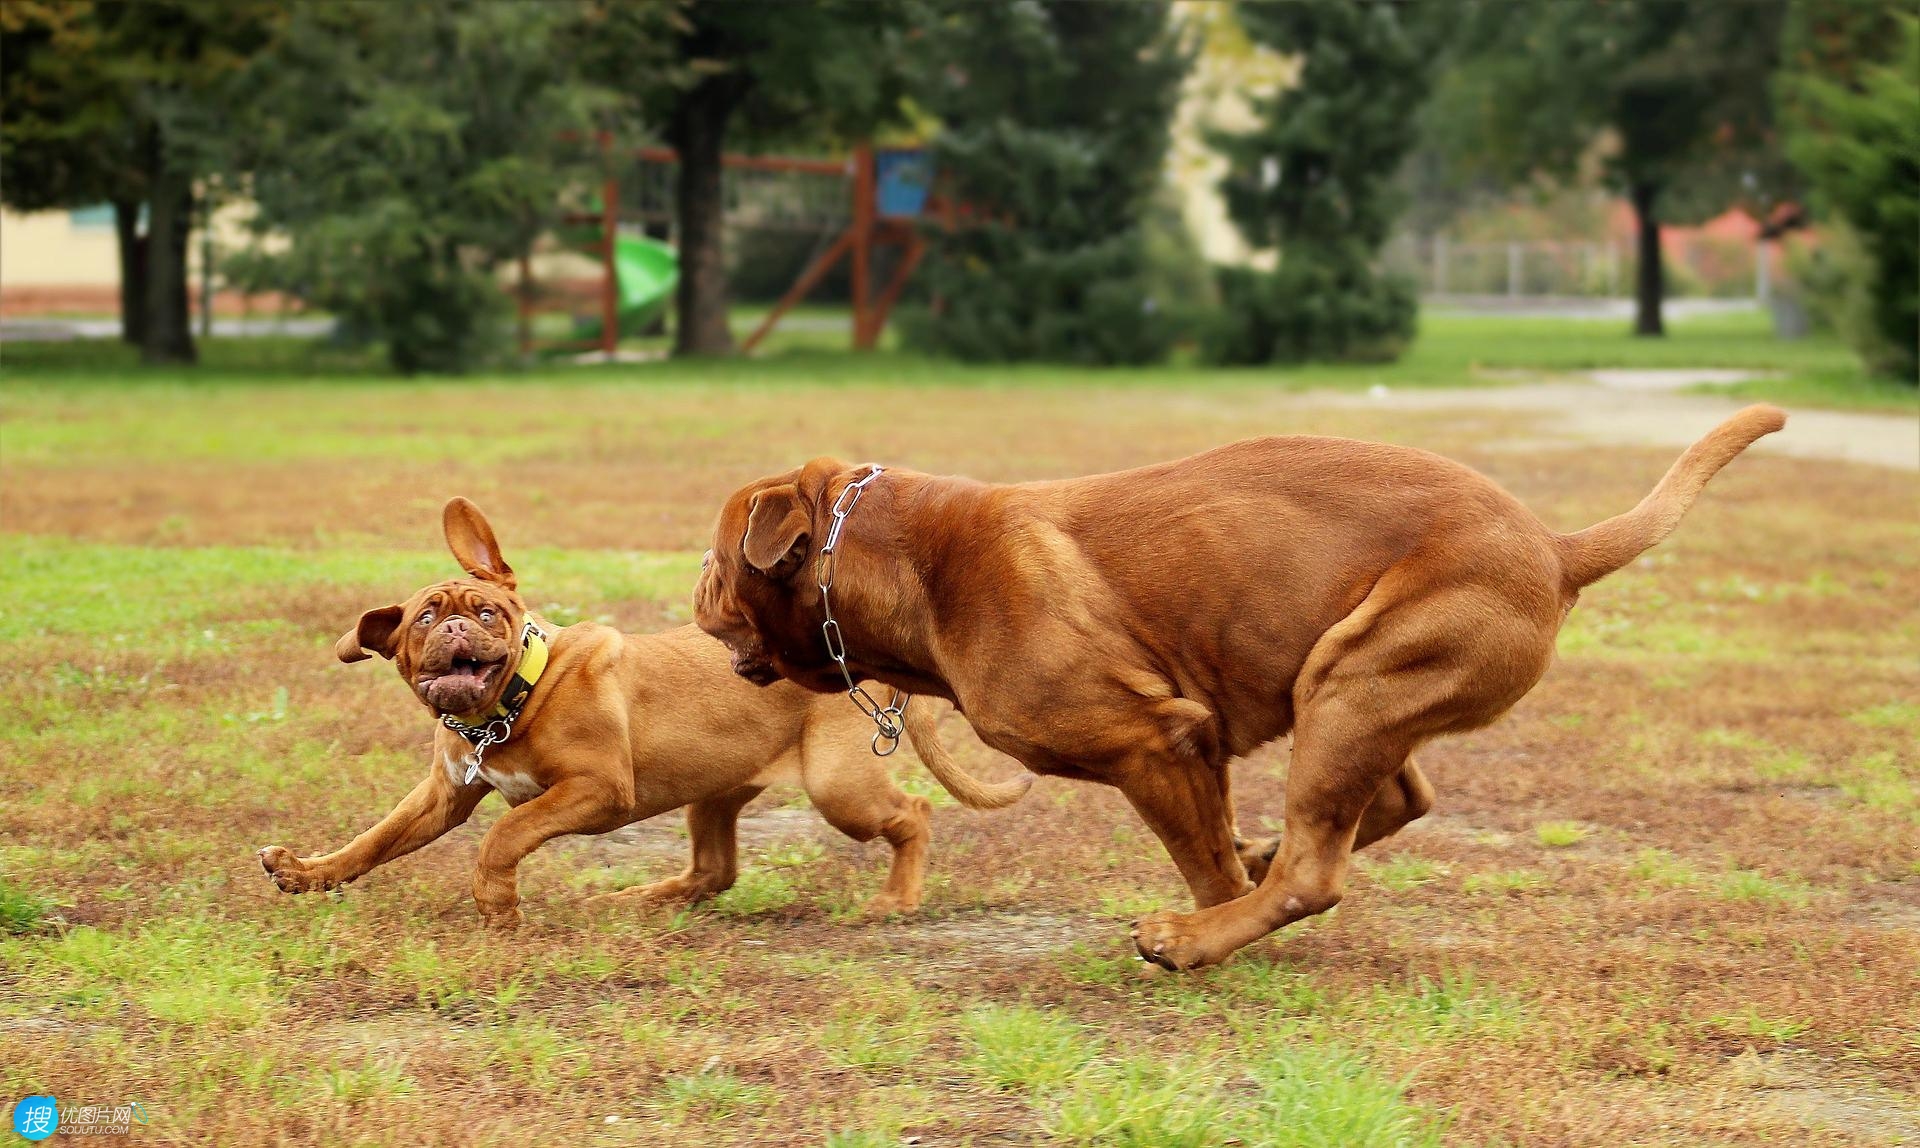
<point>1642,408</point>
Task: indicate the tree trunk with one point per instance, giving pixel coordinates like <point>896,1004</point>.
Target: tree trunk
<point>1649,282</point>
<point>133,270</point>
<point>168,334</point>
<point>699,130</point>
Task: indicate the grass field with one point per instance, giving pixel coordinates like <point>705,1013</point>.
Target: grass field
<point>1453,350</point>
<point>1673,899</point>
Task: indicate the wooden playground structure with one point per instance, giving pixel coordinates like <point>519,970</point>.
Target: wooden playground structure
<point>873,197</point>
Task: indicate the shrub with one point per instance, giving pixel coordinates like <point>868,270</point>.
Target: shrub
<point>1310,309</point>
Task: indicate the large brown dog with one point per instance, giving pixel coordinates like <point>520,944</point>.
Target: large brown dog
<point>1143,628</point>
<point>615,729</point>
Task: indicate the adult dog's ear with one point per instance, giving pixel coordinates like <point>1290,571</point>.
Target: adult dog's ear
<point>374,635</point>
<point>776,540</point>
<point>473,544</point>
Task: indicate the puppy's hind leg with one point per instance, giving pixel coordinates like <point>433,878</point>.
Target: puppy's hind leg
<point>712,827</point>
<point>855,792</point>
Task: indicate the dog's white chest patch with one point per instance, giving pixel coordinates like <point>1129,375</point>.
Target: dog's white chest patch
<point>515,787</point>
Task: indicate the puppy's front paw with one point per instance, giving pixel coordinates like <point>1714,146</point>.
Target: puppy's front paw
<point>1175,942</point>
<point>289,873</point>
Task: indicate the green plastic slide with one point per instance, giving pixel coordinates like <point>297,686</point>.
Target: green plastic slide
<point>645,274</point>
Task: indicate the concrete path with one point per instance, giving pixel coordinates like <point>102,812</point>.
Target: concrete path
<point>1631,412</point>
<point>46,330</point>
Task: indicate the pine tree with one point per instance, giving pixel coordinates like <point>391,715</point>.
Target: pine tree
<point>1315,180</point>
<point>1053,135</point>
<point>1852,96</point>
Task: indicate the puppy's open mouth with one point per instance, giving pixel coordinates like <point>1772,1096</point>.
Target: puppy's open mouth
<point>461,687</point>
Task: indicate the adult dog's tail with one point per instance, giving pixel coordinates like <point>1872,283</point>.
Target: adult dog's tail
<point>1599,550</point>
<point>924,732</point>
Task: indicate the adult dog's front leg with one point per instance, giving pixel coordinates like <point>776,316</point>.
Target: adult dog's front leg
<point>575,805</point>
<point>435,806</point>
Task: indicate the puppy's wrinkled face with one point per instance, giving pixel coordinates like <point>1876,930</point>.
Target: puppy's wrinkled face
<point>455,643</point>
<point>756,591</point>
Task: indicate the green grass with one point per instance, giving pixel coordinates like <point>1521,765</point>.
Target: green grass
<point>1512,881</point>
<point>712,1096</point>
<point>1561,834</point>
<point>1401,872</point>
<point>1023,1048</point>
<point>60,589</point>
<point>1451,350</point>
<point>1662,868</point>
<point>20,911</point>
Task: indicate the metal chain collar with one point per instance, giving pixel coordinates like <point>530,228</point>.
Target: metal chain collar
<point>492,733</point>
<point>888,720</point>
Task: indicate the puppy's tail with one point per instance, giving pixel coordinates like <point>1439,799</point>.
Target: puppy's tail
<point>1599,550</point>
<point>924,732</point>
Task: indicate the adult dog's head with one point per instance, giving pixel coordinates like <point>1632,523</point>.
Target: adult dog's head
<point>757,591</point>
<point>456,643</point>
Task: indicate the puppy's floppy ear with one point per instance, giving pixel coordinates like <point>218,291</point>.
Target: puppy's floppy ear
<point>374,635</point>
<point>473,544</point>
<point>776,540</point>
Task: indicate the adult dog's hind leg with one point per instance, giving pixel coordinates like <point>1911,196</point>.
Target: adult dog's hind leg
<point>1400,669</point>
<point>1400,801</point>
<point>1336,775</point>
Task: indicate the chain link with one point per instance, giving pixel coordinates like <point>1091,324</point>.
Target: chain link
<point>492,733</point>
<point>889,720</point>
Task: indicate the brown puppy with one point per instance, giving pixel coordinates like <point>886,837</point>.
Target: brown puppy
<point>616,728</point>
<point>1143,628</point>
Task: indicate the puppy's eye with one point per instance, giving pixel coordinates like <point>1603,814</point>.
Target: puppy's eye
<point>426,618</point>
<point>486,615</point>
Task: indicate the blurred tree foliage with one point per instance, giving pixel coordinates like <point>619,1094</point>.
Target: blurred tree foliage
<point>403,152</point>
<point>1851,97</point>
<point>1673,97</point>
<point>1053,133</point>
<point>129,104</point>
<point>1315,180</point>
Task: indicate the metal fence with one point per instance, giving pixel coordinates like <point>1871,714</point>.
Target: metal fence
<point>1545,268</point>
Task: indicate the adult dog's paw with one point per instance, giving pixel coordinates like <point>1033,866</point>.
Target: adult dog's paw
<point>1175,942</point>
<point>501,920</point>
<point>885,905</point>
<point>289,873</point>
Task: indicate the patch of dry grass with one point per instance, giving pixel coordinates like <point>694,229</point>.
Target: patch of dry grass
<point>1714,941</point>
